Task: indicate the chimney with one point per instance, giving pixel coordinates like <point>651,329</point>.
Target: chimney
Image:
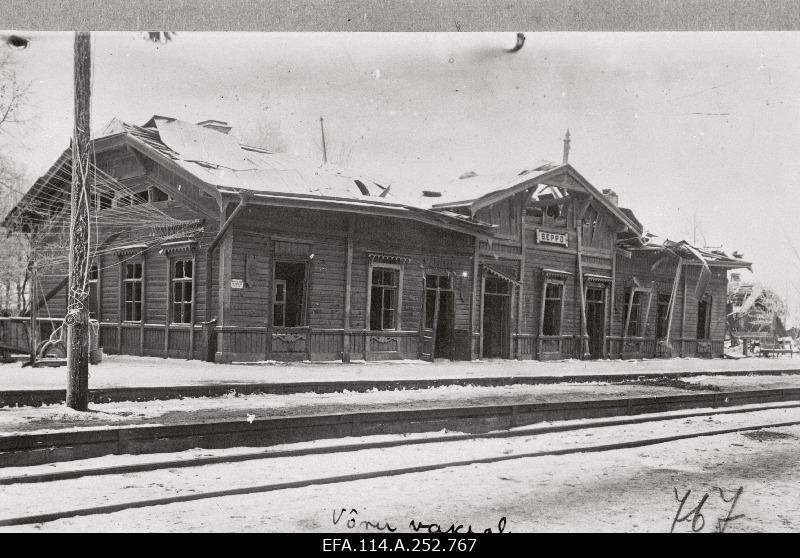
<point>611,196</point>
<point>217,125</point>
<point>566,148</point>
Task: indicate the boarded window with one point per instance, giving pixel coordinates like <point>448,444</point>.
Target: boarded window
<point>383,299</point>
<point>704,318</point>
<point>551,318</point>
<point>157,195</point>
<point>133,292</point>
<point>633,301</point>
<point>288,294</point>
<point>182,279</point>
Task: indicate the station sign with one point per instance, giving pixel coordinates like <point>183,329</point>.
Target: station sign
<point>551,238</point>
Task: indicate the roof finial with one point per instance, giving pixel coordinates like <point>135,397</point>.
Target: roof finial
<point>566,148</point>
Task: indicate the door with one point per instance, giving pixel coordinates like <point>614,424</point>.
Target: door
<point>496,318</point>
<point>595,320</point>
<point>439,316</point>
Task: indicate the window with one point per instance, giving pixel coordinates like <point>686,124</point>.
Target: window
<point>94,294</point>
<point>100,201</point>
<point>140,197</point>
<point>662,315</point>
<point>589,224</point>
<point>633,301</point>
<point>288,294</point>
<point>551,315</point>
<point>182,273</point>
<point>704,318</point>
<point>383,298</point>
<point>133,292</point>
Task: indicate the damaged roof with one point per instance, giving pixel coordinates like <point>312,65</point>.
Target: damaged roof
<point>474,191</point>
<point>218,160</point>
<point>713,256</point>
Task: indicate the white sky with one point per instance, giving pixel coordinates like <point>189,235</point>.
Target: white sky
<point>681,125</point>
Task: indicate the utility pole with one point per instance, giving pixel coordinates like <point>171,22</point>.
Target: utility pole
<point>324,148</point>
<point>77,317</point>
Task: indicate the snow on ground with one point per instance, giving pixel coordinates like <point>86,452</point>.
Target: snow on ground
<point>250,407</point>
<point>130,371</point>
<point>331,443</point>
<point>232,407</point>
<point>622,490</point>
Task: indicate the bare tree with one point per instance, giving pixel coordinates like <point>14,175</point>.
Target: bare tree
<point>15,252</point>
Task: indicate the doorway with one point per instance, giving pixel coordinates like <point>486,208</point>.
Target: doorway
<point>440,314</point>
<point>289,289</point>
<point>595,320</point>
<point>496,318</point>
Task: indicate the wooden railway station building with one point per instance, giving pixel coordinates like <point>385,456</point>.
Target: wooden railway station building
<point>248,255</point>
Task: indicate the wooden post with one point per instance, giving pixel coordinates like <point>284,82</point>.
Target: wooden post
<point>121,305</point>
<point>613,300</point>
<point>77,317</point>
<point>475,293</point>
<point>683,311</point>
<point>192,307</point>
<point>584,336</point>
<point>348,286</point>
<point>672,299</point>
<point>143,283</point>
<point>168,306</point>
<point>435,324</point>
<point>627,319</point>
<point>647,312</point>
<point>483,291</point>
<point>34,333</point>
<point>225,255</point>
<point>521,266</point>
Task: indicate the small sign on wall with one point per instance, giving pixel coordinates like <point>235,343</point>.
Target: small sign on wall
<point>551,238</point>
<point>237,283</point>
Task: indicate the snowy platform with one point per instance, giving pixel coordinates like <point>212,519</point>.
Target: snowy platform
<point>129,371</point>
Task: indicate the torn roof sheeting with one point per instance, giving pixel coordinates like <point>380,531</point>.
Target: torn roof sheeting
<point>219,160</point>
<point>195,143</point>
<point>473,186</point>
<point>712,256</point>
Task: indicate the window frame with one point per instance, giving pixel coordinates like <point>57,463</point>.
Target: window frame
<point>173,280</point>
<point>561,284</point>
<point>630,295</point>
<point>398,288</point>
<point>276,302</point>
<point>124,291</point>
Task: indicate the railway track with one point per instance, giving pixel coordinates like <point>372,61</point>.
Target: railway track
<point>327,480</point>
<point>273,454</point>
<point>35,449</point>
